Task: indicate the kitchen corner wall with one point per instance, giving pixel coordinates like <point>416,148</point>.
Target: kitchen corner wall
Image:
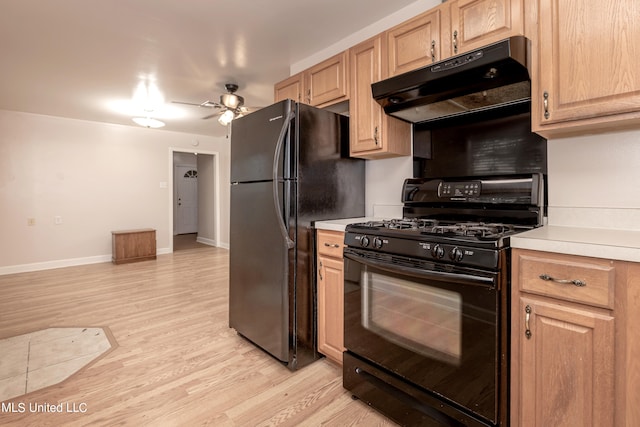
<point>594,181</point>
<point>96,178</point>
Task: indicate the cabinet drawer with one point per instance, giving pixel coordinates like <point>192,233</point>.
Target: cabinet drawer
<point>571,278</point>
<point>330,243</point>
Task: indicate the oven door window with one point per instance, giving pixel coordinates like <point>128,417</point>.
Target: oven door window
<point>436,329</point>
<point>420,318</point>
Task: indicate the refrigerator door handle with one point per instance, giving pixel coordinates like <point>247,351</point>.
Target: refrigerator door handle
<point>276,161</point>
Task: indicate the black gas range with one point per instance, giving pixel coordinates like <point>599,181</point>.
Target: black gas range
<point>427,299</point>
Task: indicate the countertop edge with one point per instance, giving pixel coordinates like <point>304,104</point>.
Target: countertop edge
<point>339,224</point>
<point>622,245</point>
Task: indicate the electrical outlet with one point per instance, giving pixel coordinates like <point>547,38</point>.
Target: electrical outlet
<point>57,220</point>
<point>31,221</point>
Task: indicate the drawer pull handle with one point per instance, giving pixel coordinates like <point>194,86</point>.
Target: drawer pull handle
<point>331,245</point>
<point>527,316</point>
<point>575,282</point>
<point>320,271</point>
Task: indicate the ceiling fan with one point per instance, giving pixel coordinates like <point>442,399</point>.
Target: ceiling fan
<point>231,106</point>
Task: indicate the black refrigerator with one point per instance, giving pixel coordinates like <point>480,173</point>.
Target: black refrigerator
<point>289,168</point>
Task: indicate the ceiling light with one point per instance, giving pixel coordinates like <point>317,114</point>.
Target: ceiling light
<point>226,117</point>
<point>148,122</point>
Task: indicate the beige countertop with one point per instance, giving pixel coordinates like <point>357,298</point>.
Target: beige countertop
<point>623,245</point>
<point>339,224</point>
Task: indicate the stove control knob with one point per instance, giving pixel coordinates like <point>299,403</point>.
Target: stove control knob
<point>456,254</point>
<point>377,242</point>
<point>437,251</point>
<point>364,241</point>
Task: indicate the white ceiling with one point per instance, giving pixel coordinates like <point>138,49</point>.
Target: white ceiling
<point>79,58</point>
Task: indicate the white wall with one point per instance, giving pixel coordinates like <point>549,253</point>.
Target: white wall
<point>207,192</point>
<point>594,181</point>
<point>97,177</point>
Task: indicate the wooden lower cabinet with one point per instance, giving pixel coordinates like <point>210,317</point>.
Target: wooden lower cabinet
<point>573,325</point>
<point>330,279</point>
<point>133,245</point>
<point>566,367</point>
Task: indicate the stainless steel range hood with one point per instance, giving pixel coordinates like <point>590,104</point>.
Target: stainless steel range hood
<point>492,77</point>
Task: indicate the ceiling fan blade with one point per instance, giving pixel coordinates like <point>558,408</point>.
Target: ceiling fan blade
<point>205,104</point>
<point>211,116</point>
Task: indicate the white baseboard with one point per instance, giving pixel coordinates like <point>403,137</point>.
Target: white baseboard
<point>206,241</point>
<point>71,262</point>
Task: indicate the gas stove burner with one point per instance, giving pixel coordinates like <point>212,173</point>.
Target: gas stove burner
<point>485,230</point>
<point>430,227</point>
<point>410,223</point>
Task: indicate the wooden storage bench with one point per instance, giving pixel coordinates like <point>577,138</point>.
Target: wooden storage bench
<point>133,245</point>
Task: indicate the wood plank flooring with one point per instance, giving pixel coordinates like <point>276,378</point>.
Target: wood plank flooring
<point>176,363</point>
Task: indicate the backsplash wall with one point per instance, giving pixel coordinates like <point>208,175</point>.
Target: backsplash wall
<point>594,181</point>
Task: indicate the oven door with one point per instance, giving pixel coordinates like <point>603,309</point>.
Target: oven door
<point>435,327</point>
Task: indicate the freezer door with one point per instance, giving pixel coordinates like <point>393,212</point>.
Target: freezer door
<point>259,267</point>
<point>254,140</point>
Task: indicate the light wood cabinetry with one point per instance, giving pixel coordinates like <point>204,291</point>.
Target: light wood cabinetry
<point>330,299</point>
<point>476,23</point>
<point>328,82</point>
<point>133,245</point>
<point>586,74</point>
<point>290,88</point>
<point>322,85</point>
<point>571,331</point>
<point>419,41</point>
<point>373,133</point>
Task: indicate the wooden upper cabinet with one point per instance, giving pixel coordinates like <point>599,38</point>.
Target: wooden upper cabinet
<point>373,134</point>
<point>476,23</point>
<point>290,88</point>
<point>328,82</point>
<point>587,74</point>
<point>322,85</point>
<point>420,41</point>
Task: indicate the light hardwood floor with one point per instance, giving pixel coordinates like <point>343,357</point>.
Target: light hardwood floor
<point>176,362</point>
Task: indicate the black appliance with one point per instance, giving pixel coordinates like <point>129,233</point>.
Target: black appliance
<point>491,78</point>
<point>426,300</point>
<point>289,167</point>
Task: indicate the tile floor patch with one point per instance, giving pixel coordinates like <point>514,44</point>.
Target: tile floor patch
<point>39,359</point>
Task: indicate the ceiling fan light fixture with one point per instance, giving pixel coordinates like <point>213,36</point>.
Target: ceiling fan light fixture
<point>148,122</point>
<point>226,117</point>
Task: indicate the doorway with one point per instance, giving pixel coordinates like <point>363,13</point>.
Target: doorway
<point>194,199</point>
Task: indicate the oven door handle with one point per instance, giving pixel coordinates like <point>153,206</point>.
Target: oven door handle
<point>456,277</point>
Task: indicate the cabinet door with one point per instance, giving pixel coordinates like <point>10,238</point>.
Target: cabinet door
<point>290,88</point>
<point>565,369</point>
<point>330,308</point>
<point>327,82</point>
<point>476,23</point>
<point>588,74</point>
<point>365,113</point>
<point>373,134</point>
<point>419,41</point>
